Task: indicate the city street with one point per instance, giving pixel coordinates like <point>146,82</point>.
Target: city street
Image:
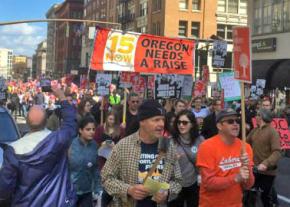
<point>282,182</point>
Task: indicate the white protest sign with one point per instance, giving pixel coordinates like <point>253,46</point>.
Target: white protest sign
<point>103,82</point>
<point>260,83</point>
<point>187,86</point>
<point>2,95</point>
<point>2,83</point>
<point>231,86</point>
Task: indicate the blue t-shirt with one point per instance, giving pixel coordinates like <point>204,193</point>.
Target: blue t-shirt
<point>149,153</point>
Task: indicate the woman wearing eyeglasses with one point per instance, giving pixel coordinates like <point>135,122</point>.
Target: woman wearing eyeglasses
<point>187,140</point>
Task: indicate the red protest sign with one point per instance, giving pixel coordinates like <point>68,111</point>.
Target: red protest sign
<point>138,84</point>
<point>205,73</point>
<point>281,127</point>
<point>199,88</point>
<point>116,50</point>
<point>242,54</point>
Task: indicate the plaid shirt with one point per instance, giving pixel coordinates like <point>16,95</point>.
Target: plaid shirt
<point>121,171</point>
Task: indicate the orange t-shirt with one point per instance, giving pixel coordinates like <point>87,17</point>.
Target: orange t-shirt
<point>223,161</point>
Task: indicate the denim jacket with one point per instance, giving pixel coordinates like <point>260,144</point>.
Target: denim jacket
<point>83,166</point>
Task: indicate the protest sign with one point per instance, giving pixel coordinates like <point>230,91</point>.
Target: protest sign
<point>219,53</point>
<point>3,89</point>
<point>150,86</point>
<point>232,90</point>
<point>2,95</point>
<point>199,88</point>
<point>138,84</point>
<point>186,91</point>
<point>116,50</point>
<point>242,54</point>
<point>103,82</point>
<point>83,81</point>
<point>205,74</point>
<point>2,84</point>
<point>281,127</point>
<point>168,86</point>
<point>126,79</point>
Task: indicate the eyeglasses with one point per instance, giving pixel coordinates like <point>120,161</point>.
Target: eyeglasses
<point>232,121</point>
<point>179,122</point>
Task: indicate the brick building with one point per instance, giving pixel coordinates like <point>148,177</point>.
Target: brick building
<point>68,37</point>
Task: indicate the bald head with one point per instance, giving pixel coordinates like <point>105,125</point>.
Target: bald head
<point>36,118</point>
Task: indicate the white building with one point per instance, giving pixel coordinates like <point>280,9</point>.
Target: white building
<point>6,58</point>
<point>270,23</point>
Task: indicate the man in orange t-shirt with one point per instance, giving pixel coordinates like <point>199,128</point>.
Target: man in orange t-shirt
<point>225,172</point>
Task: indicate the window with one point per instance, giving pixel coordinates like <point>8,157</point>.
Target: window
<point>195,27</point>
<point>221,31</point>
<point>182,29</point>
<point>221,7</point>
<point>156,5</point>
<point>183,4</point>
<point>195,4</point>
<point>225,31</point>
<point>229,29</point>
<point>156,28</point>
<point>243,6</point>
<point>143,9</point>
<point>286,16</point>
<point>233,6</point>
<point>141,29</point>
<point>277,17</point>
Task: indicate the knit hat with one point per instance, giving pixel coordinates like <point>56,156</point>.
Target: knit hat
<point>266,115</point>
<point>149,109</point>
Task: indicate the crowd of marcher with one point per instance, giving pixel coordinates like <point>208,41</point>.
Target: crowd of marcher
<point>83,150</point>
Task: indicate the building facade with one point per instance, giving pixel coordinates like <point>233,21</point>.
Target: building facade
<point>51,40</point>
<point>19,66</point>
<point>190,19</point>
<point>270,23</point>
<point>40,60</point>
<point>68,38</point>
<point>6,60</point>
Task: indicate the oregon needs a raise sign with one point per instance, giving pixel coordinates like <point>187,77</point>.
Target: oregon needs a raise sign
<point>115,50</point>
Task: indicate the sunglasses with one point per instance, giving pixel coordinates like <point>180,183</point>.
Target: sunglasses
<point>232,121</point>
<point>179,122</point>
<point>135,101</point>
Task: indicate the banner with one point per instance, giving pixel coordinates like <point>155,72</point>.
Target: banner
<point>168,86</point>
<point>116,50</point>
<point>103,82</point>
<point>281,127</point>
<point>242,54</point>
<point>219,53</point>
<point>232,90</point>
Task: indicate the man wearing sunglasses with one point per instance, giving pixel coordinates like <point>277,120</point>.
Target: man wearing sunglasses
<point>225,171</point>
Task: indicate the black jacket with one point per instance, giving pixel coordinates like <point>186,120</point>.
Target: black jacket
<point>209,128</point>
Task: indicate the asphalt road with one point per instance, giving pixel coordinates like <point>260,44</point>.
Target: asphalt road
<point>282,182</point>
